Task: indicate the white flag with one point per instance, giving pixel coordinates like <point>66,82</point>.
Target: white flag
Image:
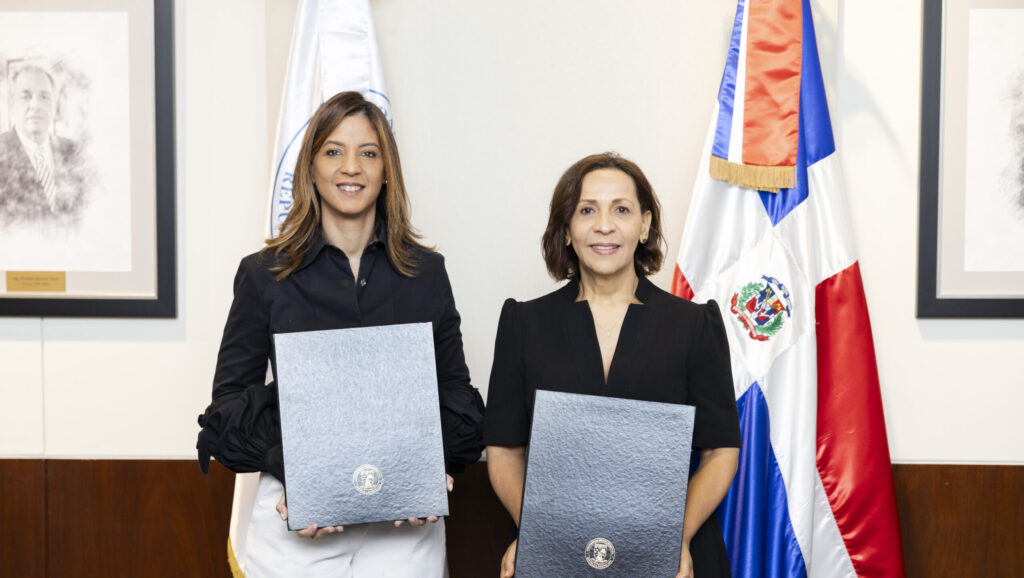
<point>334,49</point>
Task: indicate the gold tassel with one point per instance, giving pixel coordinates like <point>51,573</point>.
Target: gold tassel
<point>236,570</point>
<point>769,179</point>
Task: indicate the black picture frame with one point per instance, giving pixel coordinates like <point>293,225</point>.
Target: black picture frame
<point>929,303</point>
<point>164,304</point>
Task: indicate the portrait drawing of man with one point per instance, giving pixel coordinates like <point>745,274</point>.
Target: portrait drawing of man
<point>43,178</point>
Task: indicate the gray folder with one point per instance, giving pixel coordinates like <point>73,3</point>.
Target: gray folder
<point>361,425</point>
<point>605,487</point>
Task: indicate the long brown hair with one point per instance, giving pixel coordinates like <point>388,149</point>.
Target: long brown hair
<point>562,261</point>
<point>303,221</point>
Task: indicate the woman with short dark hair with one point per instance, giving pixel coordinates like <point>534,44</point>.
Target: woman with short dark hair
<point>609,331</point>
<point>560,256</point>
<point>347,256</point>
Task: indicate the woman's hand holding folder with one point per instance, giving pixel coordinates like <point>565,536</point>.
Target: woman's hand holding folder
<point>432,519</point>
<point>315,532</point>
<point>312,531</point>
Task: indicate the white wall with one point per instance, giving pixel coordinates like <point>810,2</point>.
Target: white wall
<point>492,102</point>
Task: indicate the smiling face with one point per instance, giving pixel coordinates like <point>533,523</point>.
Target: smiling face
<point>608,223</point>
<point>32,104</point>
<point>348,171</point>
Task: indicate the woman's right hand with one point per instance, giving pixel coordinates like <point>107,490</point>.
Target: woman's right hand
<point>508,561</point>
<point>506,467</point>
<point>312,531</point>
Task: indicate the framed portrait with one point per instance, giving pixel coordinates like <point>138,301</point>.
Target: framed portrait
<point>87,183</point>
<point>971,220</point>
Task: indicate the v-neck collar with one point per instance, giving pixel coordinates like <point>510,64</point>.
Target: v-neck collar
<point>571,290</point>
<point>626,368</point>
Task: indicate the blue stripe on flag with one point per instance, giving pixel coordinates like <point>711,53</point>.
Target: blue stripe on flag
<point>815,123</point>
<point>783,202</point>
<point>727,90</point>
<point>815,140</point>
<point>754,514</point>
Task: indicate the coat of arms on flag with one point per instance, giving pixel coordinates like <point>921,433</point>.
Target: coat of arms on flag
<point>762,306</point>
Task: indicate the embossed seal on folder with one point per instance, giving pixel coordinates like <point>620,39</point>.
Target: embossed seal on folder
<point>605,488</point>
<point>361,404</point>
<point>600,553</point>
<point>367,479</point>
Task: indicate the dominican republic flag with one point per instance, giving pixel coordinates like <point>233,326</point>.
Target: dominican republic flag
<point>813,495</point>
<point>334,49</point>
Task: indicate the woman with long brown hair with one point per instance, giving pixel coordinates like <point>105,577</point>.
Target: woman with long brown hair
<point>347,256</point>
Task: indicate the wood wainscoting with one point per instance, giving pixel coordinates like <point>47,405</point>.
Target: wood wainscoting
<point>961,520</point>
<point>22,518</point>
<point>157,518</point>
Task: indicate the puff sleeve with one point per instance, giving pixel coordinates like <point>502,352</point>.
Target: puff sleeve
<point>507,421</point>
<point>462,408</point>
<point>241,428</point>
<point>716,423</point>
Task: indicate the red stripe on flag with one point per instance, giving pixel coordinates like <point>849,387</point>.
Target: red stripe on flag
<point>680,286</point>
<point>772,84</point>
<point>853,451</point>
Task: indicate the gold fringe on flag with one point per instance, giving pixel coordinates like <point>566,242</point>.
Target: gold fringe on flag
<point>769,179</point>
<point>236,570</point>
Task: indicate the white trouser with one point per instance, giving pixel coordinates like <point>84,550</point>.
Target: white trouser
<point>362,551</point>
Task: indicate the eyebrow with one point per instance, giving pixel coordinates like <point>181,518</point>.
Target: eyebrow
<point>618,200</point>
<point>365,144</point>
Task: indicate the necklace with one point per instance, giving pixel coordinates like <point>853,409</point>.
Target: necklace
<point>608,331</point>
<point>601,329</point>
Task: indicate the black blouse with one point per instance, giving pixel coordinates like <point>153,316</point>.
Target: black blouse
<point>669,350</point>
<point>241,427</point>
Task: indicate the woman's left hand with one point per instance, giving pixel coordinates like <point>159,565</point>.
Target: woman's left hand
<point>685,563</point>
<point>413,521</point>
<point>312,531</point>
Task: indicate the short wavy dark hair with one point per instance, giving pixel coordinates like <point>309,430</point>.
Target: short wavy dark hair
<point>561,260</point>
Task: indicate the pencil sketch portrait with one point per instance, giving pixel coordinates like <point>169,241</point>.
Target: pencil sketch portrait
<point>1014,178</point>
<point>65,142</point>
<point>993,209</point>
<point>46,177</point>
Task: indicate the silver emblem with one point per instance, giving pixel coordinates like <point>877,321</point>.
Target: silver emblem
<point>367,479</point>
<point>600,553</point>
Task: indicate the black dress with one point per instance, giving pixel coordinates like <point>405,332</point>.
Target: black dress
<point>669,350</point>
